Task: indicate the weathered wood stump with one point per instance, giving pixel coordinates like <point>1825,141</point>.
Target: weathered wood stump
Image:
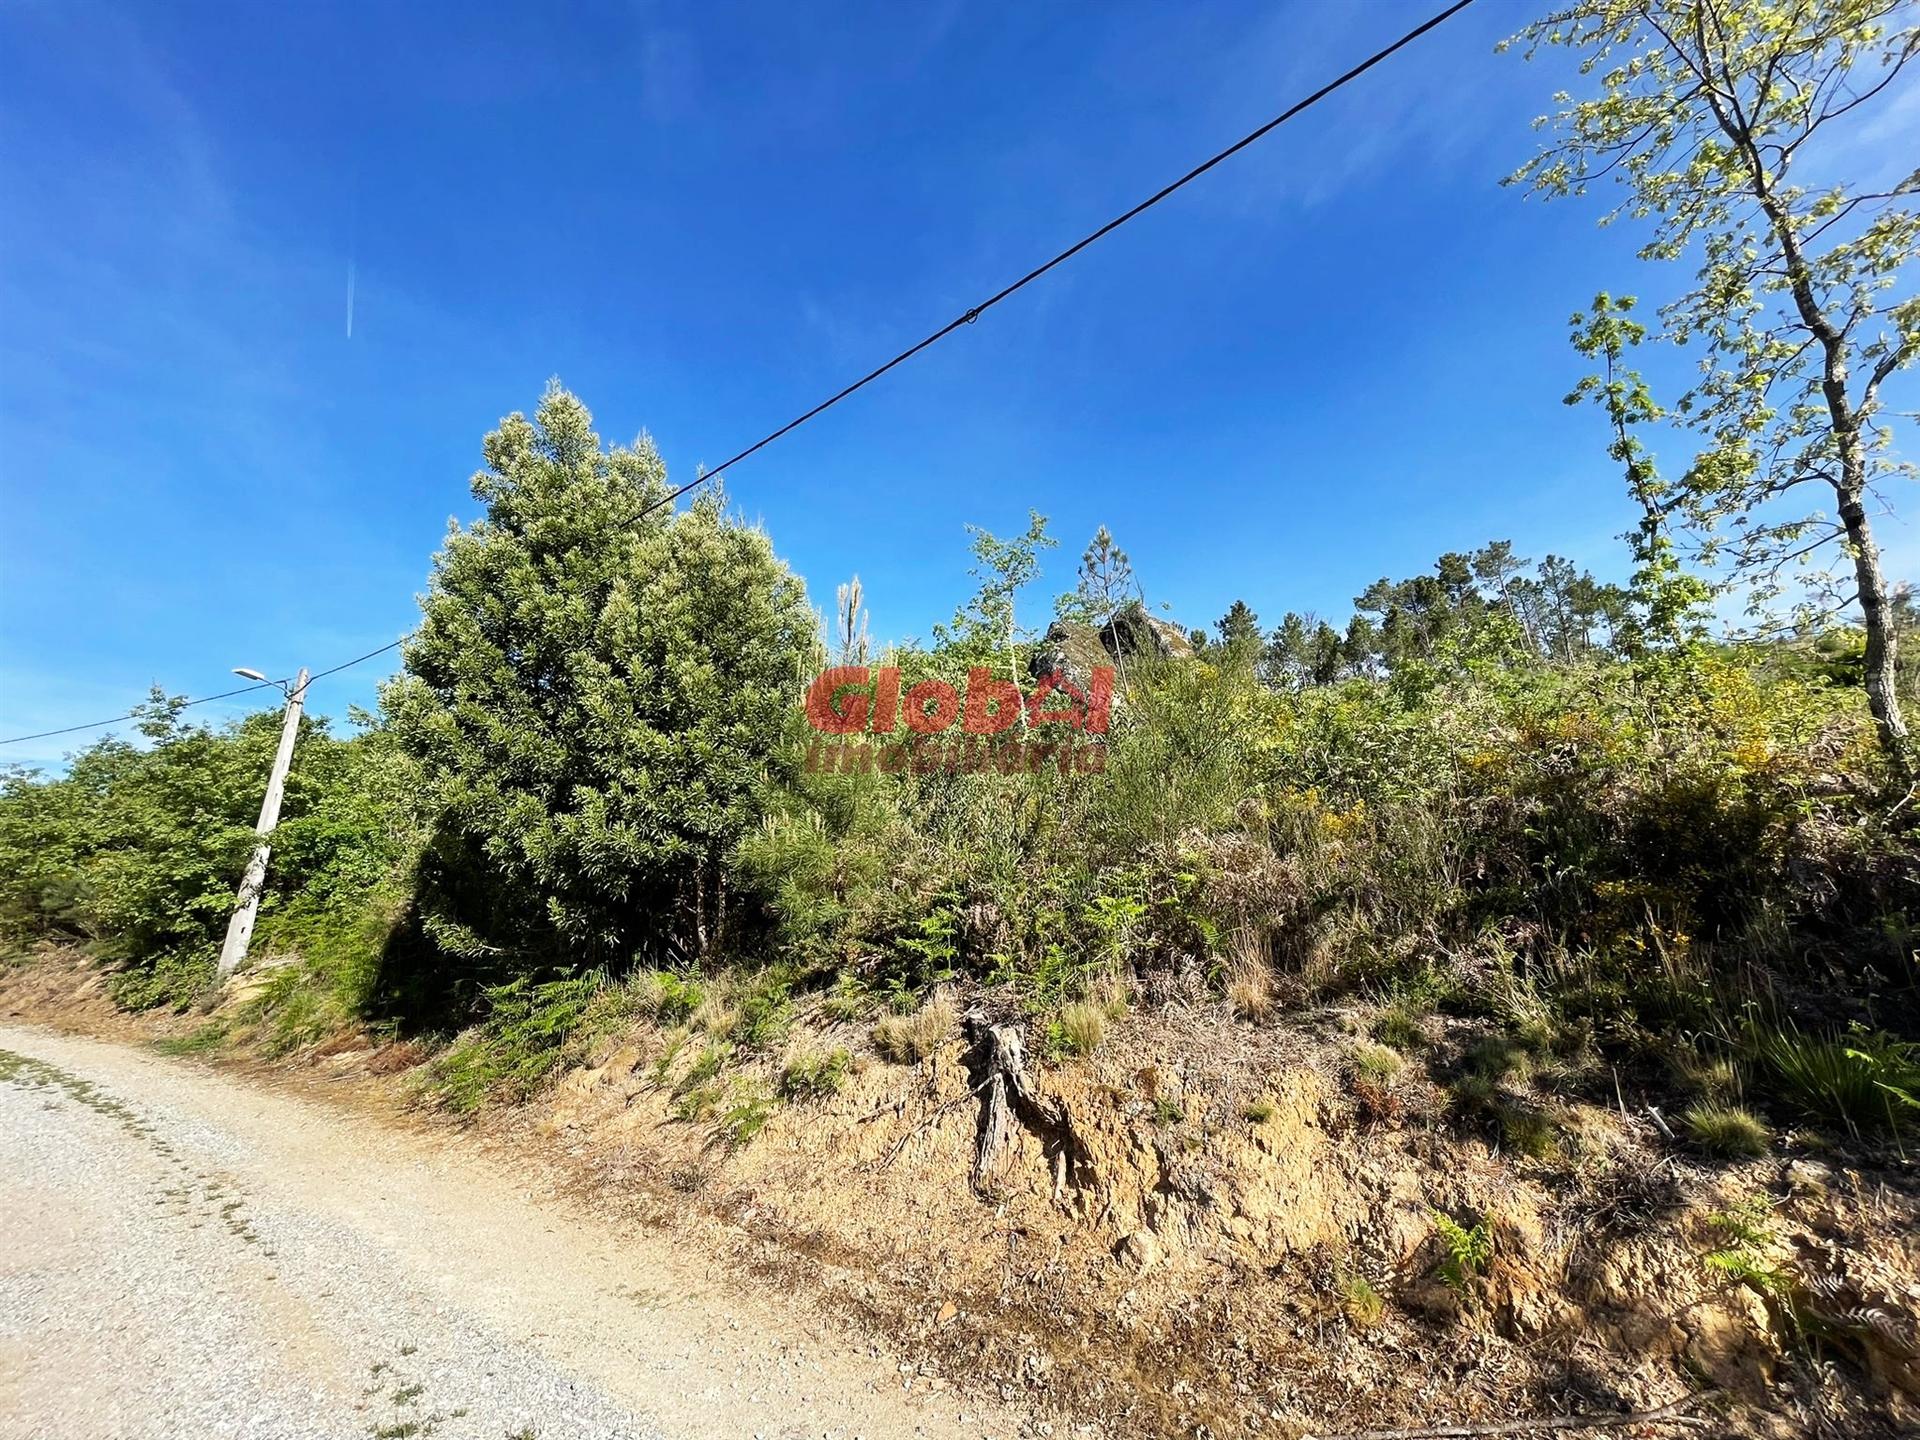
<point>997,1061</point>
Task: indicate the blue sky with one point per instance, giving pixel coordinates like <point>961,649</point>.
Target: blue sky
<point>1332,359</point>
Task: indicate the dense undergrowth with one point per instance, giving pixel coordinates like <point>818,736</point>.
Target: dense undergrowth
<point>585,802</point>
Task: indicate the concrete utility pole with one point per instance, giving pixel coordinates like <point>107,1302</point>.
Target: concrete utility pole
<point>246,905</point>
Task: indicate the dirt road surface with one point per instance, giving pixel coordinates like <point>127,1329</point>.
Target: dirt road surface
<point>188,1253</point>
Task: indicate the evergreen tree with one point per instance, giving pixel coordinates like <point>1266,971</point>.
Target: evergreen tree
<point>600,696</point>
<point>1287,660</point>
<point>1106,582</point>
<point>1239,628</point>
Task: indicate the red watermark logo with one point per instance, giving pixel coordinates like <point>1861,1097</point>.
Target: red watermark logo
<point>855,700</point>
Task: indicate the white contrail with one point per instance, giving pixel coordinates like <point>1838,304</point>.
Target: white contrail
<point>349,299</point>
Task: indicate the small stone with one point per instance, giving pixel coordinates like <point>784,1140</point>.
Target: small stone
<point>1140,1250</point>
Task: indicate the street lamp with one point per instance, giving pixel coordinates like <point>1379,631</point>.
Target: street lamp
<point>285,689</point>
<point>246,904</point>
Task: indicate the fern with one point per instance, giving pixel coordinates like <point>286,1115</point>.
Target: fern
<point>1468,1249</point>
<point>743,1120</point>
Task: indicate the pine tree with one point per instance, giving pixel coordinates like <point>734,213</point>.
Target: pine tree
<point>1239,628</point>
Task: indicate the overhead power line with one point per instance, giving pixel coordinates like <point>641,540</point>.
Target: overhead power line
<point>972,314</point>
<point>207,699</point>
<point>966,317</point>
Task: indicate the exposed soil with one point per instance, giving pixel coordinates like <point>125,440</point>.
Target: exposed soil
<point>1246,1242</point>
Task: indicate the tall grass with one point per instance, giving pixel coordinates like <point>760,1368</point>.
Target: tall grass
<point>1863,1080</point>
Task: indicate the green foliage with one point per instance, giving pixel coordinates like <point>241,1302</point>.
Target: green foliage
<point>985,627</point>
<point>743,1119</point>
<point>1472,608</point>
<point>1360,1301</point>
<point>601,697</point>
<point>697,1094</point>
<point>1798,313</point>
<point>202,1040</point>
<point>1377,1063</point>
<point>1669,604</point>
<point>1726,1131</point>
<point>1398,1028</point>
<point>1748,1253</point>
<point>765,1011</point>
<point>1078,1028</point>
<point>1568,825</point>
<point>1467,1249</point>
<point>138,851</point>
<point>705,1067</point>
<point>664,997</point>
<point>814,1075</point>
<point>530,1029</point>
<point>930,946</point>
<point>1863,1079</point>
<point>1106,582</point>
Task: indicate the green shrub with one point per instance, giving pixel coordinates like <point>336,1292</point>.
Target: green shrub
<point>745,1118</point>
<point>1528,1130</point>
<point>525,1037</point>
<point>815,1075</point>
<point>1360,1301</point>
<point>600,689</point>
<point>696,1102</point>
<point>1399,1028</point>
<point>1467,1249</point>
<point>664,997</point>
<point>765,1012</point>
<point>200,1041</point>
<point>1861,1080</point>
<point>849,999</point>
<point>1378,1063</point>
<point>706,1065</point>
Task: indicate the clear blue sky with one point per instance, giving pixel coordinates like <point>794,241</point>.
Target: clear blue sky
<point>1332,359</point>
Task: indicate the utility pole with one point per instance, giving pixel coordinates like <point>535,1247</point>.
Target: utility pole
<point>246,904</point>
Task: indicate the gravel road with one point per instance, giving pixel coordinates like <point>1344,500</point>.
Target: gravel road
<point>185,1253</point>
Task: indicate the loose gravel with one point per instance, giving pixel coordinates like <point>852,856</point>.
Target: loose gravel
<point>187,1254</point>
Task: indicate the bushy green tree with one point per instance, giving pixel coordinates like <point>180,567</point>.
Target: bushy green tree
<point>1669,602</point>
<point>137,849</point>
<point>986,626</point>
<point>1480,604</point>
<point>599,689</point>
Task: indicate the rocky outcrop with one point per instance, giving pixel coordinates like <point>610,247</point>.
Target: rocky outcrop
<point>1071,649</point>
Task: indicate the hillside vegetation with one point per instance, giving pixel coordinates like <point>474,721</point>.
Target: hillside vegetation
<point>1499,798</point>
<point>1514,864</point>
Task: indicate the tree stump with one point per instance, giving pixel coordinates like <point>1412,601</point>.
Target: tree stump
<point>997,1062</point>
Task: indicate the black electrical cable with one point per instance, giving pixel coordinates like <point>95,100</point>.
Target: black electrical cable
<point>208,699</point>
<point>965,318</point>
<point>973,314</point>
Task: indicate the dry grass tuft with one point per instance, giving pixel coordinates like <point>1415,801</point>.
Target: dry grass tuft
<point>1080,1027</point>
<point>909,1039</point>
<point>1250,981</point>
<point>714,1016</point>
